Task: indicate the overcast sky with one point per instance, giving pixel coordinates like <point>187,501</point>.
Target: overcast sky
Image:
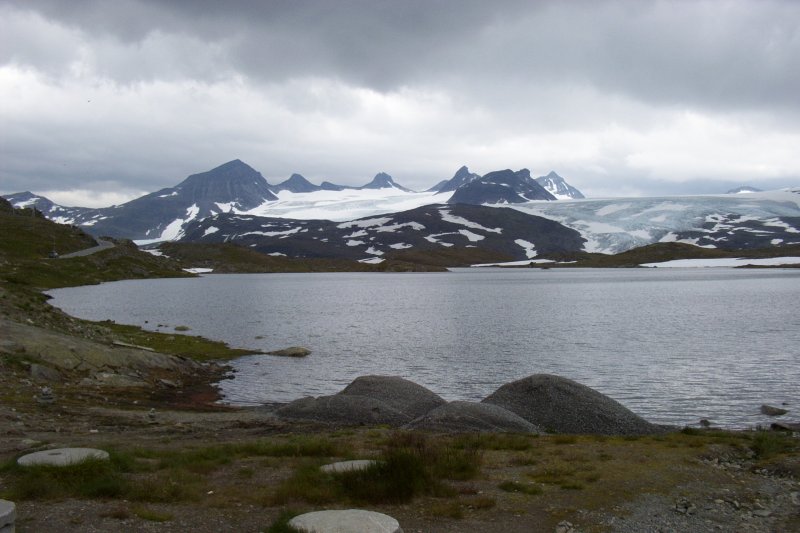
<point>101,101</point>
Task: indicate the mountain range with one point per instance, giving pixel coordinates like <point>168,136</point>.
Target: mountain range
<point>505,212</point>
<point>235,187</point>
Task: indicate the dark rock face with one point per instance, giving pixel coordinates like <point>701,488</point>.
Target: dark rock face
<point>384,181</point>
<point>499,187</point>
<point>459,179</point>
<point>344,409</point>
<point>234,181</point>
<point>731,231</point>
<point>328,186</point>
<point>5,206</point>
<point>564,406</point>
<point>433,227</point>
<point>400,394</point>
<point>460,417</point>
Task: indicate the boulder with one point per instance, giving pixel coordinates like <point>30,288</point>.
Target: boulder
<point>561,405</point>
<point>346,520</point>
<point>348,466</point>
<point>45,373</point>
<point>292,351</point>
<point>772,411</point>
<point>345,409</point>
<point>460,417</point>
<point>62,457</point>
<point>8,515</point>
<point>400,394</point>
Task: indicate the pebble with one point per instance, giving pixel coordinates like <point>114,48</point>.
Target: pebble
<point>564,527</point>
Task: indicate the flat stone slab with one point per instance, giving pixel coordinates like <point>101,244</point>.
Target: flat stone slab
<point>62,456</point>
<point>345,521</point>
<point>348,466</point>
<point>8,514</point>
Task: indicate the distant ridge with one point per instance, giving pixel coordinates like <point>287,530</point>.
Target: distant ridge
<point>383,180</point>
<point>744,190</point>
<point>501,187</point>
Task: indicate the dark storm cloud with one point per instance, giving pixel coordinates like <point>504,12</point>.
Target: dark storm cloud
<point>618,95</point>
<point>718,54</point>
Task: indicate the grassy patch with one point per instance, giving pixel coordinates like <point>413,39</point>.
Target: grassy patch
<point>281,524</point>
<point>153,516</point>
<point>446,509</point>
<point>496,441</point>
<point>91,478</point>
<point>768,444</point>
<point>412,464</point>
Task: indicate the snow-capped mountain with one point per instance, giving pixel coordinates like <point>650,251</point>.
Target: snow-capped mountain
<point>57,213</point>
<point>607,225</point>
<point>234,186</point>
<point>558,187</point>
<point>501,187</point>
<point>506,232</point>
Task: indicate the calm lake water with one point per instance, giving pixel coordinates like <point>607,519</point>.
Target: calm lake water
<point>673,345</point>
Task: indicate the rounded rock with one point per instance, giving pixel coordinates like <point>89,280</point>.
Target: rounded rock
<point>348,466</point>
<point>8,514</point>
<point>561,405</point>
<point>460,416</point>
<point>62,457</point>
<point>347,520</point>
<point>403,395</point>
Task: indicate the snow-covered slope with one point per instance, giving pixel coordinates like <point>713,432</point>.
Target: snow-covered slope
<point>347,204</point>
<point>725,221</point>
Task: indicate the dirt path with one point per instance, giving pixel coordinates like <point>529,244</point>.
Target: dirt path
<point>102,244</point>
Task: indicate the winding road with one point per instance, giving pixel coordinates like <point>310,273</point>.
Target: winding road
<point>101,245</point>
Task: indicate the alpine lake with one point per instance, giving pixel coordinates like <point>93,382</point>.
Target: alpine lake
<point>673,345</point>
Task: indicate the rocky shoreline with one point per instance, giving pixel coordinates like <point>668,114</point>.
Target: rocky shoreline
<point>167,403</point>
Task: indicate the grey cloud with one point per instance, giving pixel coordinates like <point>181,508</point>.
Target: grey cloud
<point>718,54</point>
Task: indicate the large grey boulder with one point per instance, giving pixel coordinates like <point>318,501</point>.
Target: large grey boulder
<point>401,394</point>
<point>8,514</point>
<point>343,409</point>
<point>458,417</point>
<point>345,521</point>
<point>561,405</point>
<point>62,457</point>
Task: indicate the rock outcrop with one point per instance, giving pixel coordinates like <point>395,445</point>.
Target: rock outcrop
<point>458,417</point>
<point>561,405</point>
<point>343,409</point>
<point>405,396</point>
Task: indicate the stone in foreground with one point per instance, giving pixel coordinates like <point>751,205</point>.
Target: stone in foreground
<point>8,514</point>
<point>348,466</point>
<point>561,405</point>
<point>345,521</point>
<point>460,417</point>
<point>62,457</point>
